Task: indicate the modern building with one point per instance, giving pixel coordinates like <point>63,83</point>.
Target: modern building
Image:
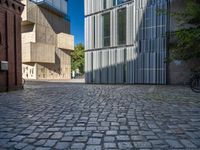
<point>126,41</point>
<point>10,45</point>
<point>46,40</point>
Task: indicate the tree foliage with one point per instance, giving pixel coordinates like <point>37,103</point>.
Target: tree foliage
<point>78,58</point>
<point>187,44</point>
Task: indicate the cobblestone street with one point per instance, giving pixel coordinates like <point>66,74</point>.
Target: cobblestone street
<point>93,117</point>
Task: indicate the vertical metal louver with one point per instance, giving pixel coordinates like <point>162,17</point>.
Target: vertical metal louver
<point>142,59</point>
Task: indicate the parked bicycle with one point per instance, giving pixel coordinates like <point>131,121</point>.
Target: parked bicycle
<point>195,81</point>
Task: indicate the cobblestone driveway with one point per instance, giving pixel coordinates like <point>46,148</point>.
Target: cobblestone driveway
<point>95,117</point>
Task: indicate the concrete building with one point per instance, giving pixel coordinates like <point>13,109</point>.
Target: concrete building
<point>126,42</point>
<point>46,40</point>
<point>10,45</point>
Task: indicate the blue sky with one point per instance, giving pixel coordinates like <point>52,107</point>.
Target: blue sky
<point>76,13</point>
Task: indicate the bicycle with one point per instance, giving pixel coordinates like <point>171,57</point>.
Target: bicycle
<point>195,81</point>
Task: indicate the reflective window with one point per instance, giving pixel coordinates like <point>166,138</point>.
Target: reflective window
<point>122,1</point>
<point>121,14</point>
<point>104,4</point>
<point>106,29</point>
<point>114,2</point>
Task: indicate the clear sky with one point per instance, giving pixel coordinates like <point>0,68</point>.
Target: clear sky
<point>76,13</point>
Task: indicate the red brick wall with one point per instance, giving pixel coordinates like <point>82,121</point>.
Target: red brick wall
<point>10,47</point>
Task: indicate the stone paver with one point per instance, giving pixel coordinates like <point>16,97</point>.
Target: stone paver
<point>50,115</point>
<point>62,145</point>
<point>94,141</point>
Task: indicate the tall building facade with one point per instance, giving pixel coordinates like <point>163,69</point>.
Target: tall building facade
<point>46,40</point>
<point>126,41</point>
<point>10,45</point>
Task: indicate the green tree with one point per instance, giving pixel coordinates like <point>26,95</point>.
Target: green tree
<point>78,58</point>
<point>187,45</point>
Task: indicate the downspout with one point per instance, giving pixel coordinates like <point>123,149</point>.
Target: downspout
<point>168,42</point>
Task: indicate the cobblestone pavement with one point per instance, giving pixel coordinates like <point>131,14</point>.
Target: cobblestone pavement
<point>93,117</point>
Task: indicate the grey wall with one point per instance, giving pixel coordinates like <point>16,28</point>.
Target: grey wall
<point>179,71</point>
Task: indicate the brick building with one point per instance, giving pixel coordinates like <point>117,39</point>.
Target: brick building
<point>10,45</point>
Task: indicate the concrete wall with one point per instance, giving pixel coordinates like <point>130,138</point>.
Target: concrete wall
<point>29,33</point>
<point>61,69</point>
<point>179,71</point>
<point>176,6</point>
<point>65,41</point>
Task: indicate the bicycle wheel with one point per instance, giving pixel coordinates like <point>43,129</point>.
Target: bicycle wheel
<point>195,85</point>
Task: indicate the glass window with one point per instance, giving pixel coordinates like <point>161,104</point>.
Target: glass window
<point>94,33</point>
<point>114,2</point>
<point>122,1</point>
<point>121,26</point>
<point>106,29</point>
<point>104,4</point>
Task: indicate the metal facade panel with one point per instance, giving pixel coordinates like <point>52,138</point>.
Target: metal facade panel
<point>142,59</point>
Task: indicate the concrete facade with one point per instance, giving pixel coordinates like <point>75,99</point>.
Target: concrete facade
<point>10,45</point>
<point>46,40</point>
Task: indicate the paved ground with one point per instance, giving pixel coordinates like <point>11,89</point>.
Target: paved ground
<point>94,117</point>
